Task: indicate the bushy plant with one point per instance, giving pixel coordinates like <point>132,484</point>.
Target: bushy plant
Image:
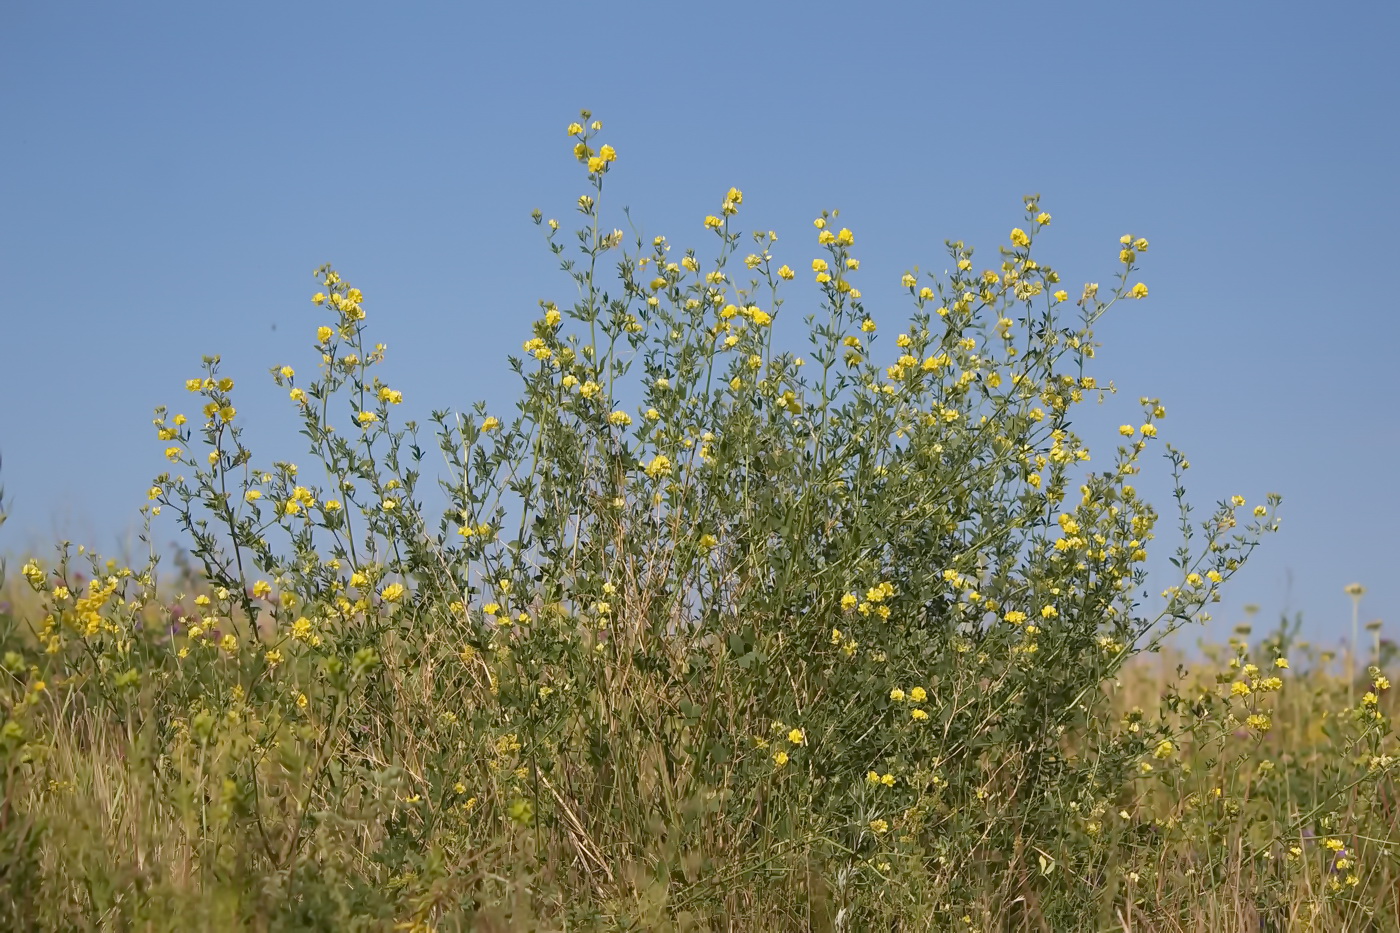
<point>708,633</point>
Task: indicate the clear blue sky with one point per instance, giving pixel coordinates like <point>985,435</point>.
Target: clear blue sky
<point>173,172</point>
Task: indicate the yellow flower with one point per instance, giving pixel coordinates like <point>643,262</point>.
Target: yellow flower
<point>819,265</point>
<point>797,737</point>
<point>323,334</point>
<point>261,589</point>
<point>918,694</point>
<point>1139,291</point>
<point>1019,237</point>
<point>318,299</point>
<point>574,129</point>
<point>780,759</point>
<point>660,465</point>
<point>897,695</point>
<point>785,272</point>
<point>879,826</point>
<point>490,423</point>
<point>392,593</point>
<point>607,153</point>
<point>918,715</point>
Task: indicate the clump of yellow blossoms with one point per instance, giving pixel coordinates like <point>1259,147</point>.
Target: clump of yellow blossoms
<point>802,596</point>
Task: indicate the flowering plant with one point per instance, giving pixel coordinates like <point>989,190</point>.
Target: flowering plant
<point>829,623</point>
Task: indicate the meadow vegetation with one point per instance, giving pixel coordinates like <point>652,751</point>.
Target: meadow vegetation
<point>709,633</point>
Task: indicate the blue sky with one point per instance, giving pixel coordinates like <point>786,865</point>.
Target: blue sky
<point>174,172</point>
